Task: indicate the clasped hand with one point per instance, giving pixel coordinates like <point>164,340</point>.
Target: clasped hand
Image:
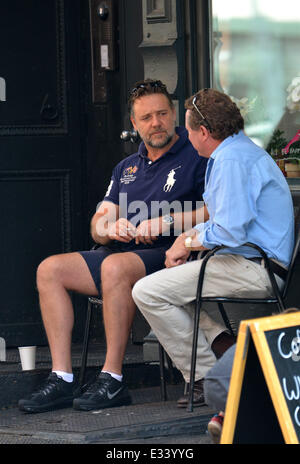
<point>179,253</point>
<point>146,232</point>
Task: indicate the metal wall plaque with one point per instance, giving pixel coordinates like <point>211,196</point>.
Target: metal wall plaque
<point>159,41</point>
<point>159,11</point>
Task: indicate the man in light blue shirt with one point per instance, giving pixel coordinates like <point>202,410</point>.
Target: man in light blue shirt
<point>247,199</point>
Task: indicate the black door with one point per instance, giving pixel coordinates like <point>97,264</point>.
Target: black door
<point>42,140</point>
<point>122,32</point>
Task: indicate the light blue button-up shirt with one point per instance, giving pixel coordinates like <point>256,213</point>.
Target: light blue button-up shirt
<point>248,200</point>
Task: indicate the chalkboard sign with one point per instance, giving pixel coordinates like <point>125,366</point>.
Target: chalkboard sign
<point>263,404</point>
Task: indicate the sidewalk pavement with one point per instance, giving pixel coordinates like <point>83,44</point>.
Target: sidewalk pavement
<point>147,420</point>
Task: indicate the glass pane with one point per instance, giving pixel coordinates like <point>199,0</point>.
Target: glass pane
<point>256,61</point>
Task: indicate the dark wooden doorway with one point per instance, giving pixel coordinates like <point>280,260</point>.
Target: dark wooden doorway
<point>57,145</point>
<point>42,166</point>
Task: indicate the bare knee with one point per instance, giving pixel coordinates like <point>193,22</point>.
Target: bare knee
<point>48,271</point>
<point>121,269</point>
<point>111,271</point>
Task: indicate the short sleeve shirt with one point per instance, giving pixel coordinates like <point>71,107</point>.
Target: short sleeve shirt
<point>145,189</point>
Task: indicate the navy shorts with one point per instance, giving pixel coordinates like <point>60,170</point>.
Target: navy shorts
<point>153,259</point>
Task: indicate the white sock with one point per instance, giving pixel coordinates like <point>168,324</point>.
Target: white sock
<point>115,376</point>
<point>66,376</point>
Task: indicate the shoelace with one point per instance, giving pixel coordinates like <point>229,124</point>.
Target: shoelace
<point>98,386</point>
<point>47,386</point>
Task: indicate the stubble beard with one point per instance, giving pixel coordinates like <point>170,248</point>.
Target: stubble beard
<point>160,143</point>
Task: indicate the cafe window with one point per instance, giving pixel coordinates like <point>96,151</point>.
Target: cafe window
<point>256,60</point>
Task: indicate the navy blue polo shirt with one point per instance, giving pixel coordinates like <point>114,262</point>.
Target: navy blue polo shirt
<point>145,189</point>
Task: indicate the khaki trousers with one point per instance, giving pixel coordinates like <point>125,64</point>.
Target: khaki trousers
<point>167,297</point>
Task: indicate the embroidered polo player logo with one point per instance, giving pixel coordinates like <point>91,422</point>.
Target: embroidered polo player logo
<point>170,180</point>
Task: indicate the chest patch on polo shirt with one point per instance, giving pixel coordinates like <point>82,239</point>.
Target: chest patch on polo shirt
<point>128,175</point>
<point>170,180</point>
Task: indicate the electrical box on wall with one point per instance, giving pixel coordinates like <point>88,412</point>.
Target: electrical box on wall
<point>103,21</point>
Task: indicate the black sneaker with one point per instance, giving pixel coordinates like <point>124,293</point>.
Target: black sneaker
<point>55,393</point>
<point>105,392</point>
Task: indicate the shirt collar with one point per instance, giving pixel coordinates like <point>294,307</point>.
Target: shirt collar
<point>219,148</point>
<point>226,142</point>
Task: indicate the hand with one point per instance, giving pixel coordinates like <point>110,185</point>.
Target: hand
<point>122,231</point>
<point>148,231</point>
<point>178,253</point>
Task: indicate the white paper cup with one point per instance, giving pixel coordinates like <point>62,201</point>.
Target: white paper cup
<point>27,355</point>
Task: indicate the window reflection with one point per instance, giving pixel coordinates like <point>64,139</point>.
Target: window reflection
<point>256,61</point>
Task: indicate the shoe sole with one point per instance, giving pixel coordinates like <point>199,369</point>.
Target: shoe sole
<point>215,432</point>
<point>195,405</point>
<point>79,406</point>
<point>67,402</point>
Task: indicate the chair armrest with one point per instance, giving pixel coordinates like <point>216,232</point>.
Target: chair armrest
<point>222,247</point>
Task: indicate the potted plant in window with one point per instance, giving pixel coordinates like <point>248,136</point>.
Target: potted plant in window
<point>292,168</point>
<point>292,155</point>
<point>275,148</point>
<point>292,164</point>
<point>292,150</point>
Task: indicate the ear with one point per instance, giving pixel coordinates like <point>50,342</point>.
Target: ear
<point>204,132</point>
<point>133,123</point>
<point>174,114</point>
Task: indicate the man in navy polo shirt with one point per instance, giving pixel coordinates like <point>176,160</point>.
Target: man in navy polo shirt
<point>133,227</point>
<point>247,199</point>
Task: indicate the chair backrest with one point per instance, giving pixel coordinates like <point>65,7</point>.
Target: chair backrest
<point>294,255</point>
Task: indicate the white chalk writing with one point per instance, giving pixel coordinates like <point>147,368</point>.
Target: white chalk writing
<point>295,347</point>
<point>289,349</point>
<point>291,394</point>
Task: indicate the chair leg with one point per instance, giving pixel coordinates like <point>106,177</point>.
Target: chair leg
<point>194,357</point>
<point>163,391</point>
<point>85,343</point>
<point>185,391</point>
<point>225,318</point>
<point>170,369</point>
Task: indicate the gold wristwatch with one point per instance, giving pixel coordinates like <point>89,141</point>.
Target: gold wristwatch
<point>188,242</point>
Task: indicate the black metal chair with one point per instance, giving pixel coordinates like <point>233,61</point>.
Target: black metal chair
<point>92,302</point>
<point>163,356</point>
<point>277,298</point>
